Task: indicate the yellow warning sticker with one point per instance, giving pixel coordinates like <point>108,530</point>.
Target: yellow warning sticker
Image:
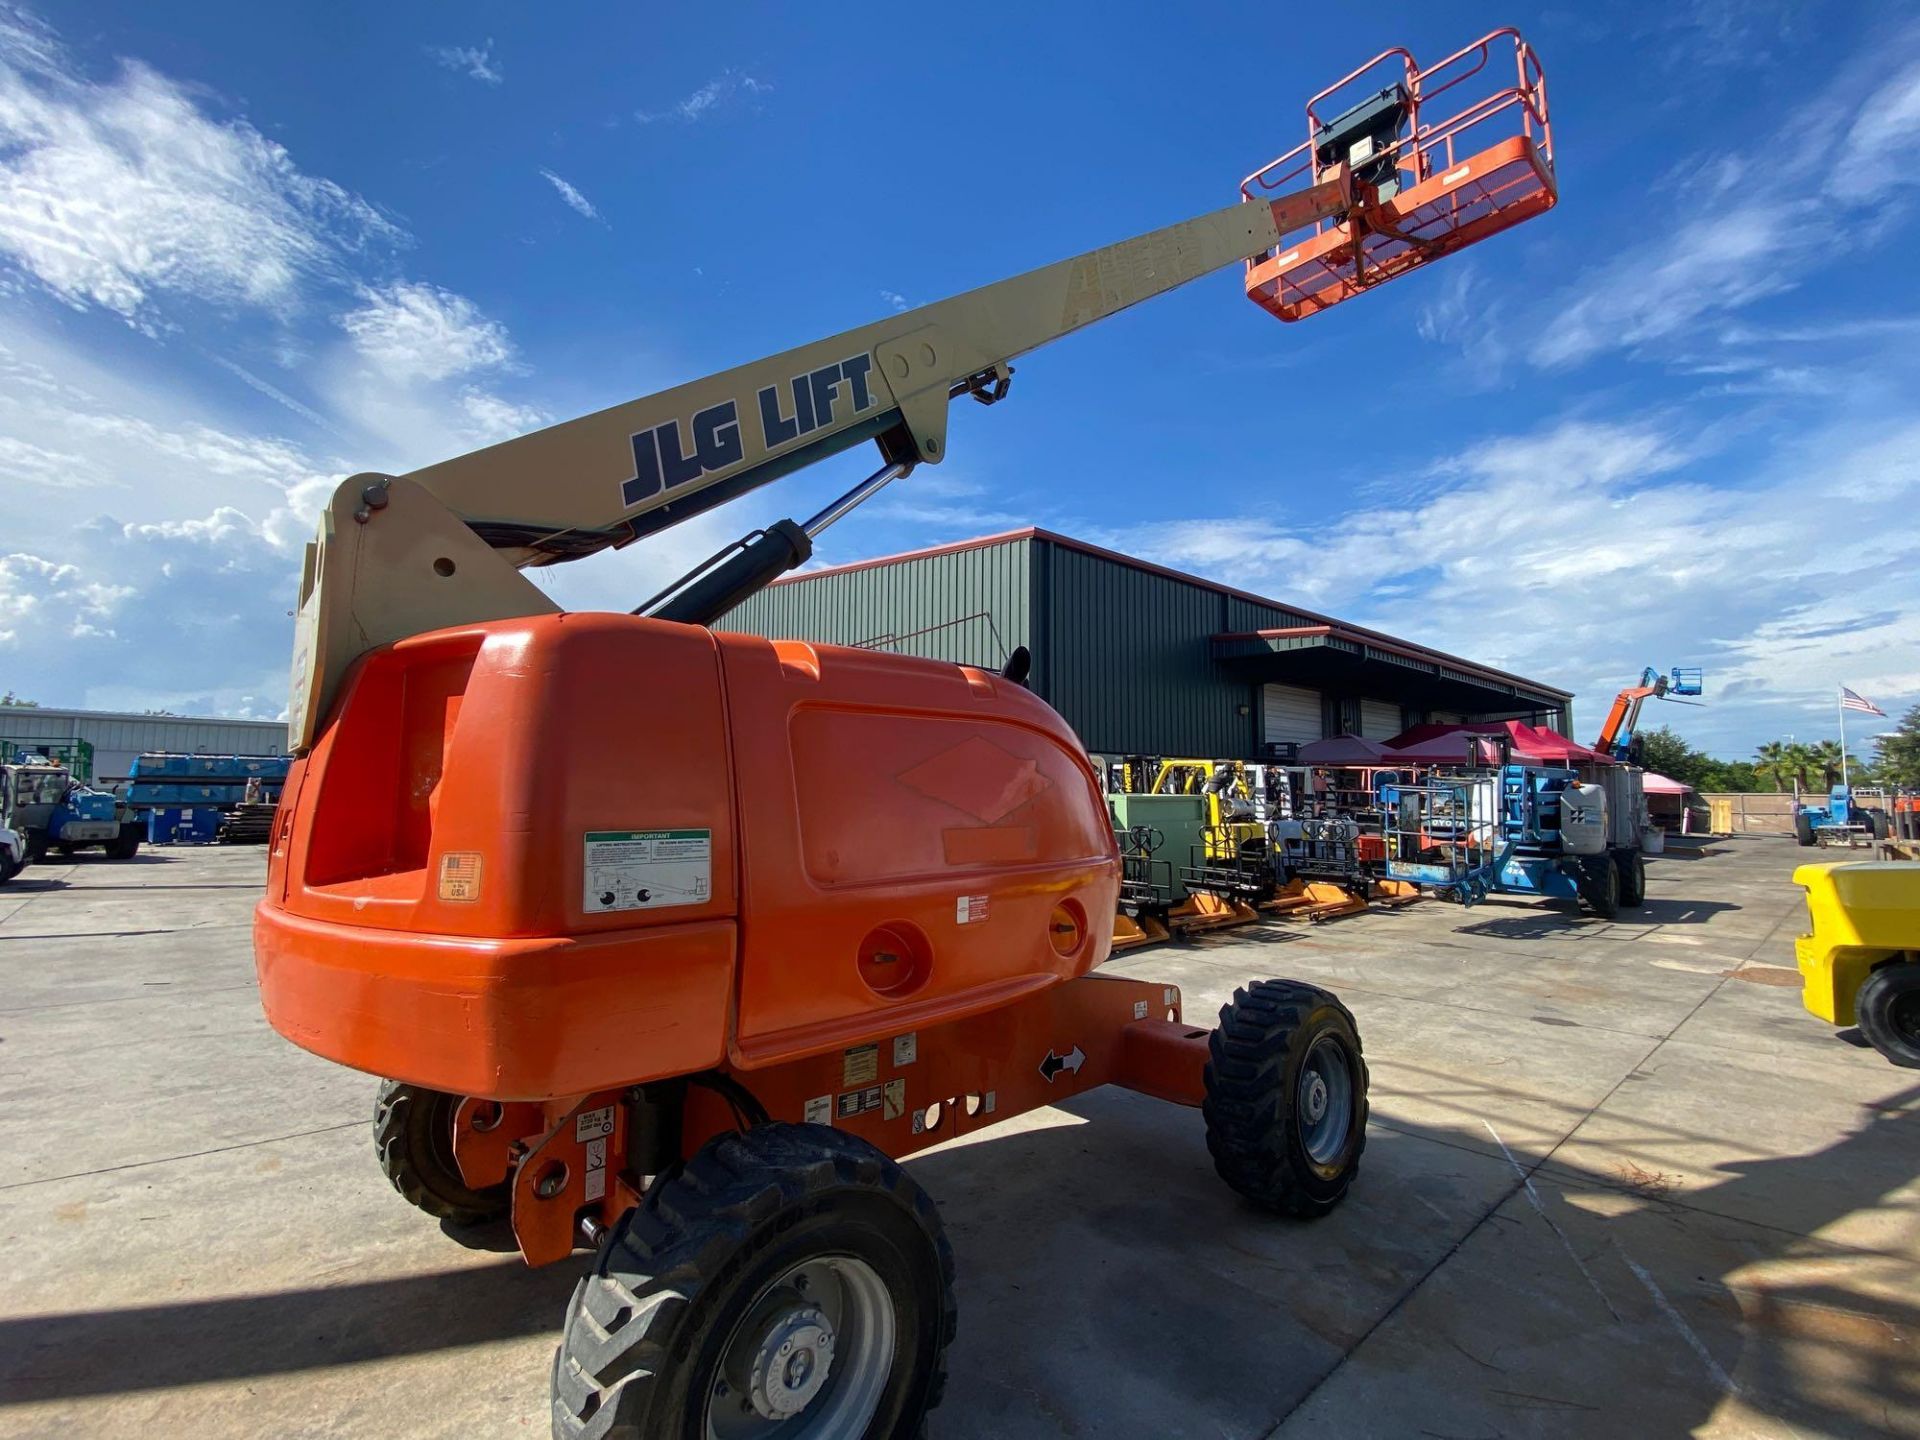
<point>460,875</point>
<point>893,1100</point>
<point>860,1066</point>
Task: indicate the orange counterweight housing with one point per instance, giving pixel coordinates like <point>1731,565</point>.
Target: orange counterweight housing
<point>536,858</point>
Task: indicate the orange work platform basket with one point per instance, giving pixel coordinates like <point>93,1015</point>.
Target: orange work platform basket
<point>1431,175</point>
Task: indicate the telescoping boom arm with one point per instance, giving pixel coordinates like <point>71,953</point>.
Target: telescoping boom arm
<point>1385,186</point>
<point>400,555</point>
<point>1623,718</point>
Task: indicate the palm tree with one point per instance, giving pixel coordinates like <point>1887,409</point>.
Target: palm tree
<point>1826,755</point>
<point>1801,761</point>
<point>1770,761</point>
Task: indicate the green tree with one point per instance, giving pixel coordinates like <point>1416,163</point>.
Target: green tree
<point>19,704</point>
<point>1774,763</point>
<point>1826,755</point>
<point>1802,765</point>
<point>1666,753</point>
<point>1897,753</point>
<point>1738,775</point>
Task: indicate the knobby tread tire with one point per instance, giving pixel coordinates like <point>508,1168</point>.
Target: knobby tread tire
<point>1874,1005</point>
<point>1251,1130</point>
<point>1599,886</point>
<point>405,1119</point>
<point>668,1267</point>
<point>1633,879</point>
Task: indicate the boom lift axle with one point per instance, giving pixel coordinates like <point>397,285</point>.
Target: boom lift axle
<point>673,940</point>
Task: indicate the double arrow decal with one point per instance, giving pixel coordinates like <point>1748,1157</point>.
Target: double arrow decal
<point>1054,1064</point>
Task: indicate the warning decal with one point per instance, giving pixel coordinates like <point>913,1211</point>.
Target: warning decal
<point>647,869</point>
<point>860,1065</point>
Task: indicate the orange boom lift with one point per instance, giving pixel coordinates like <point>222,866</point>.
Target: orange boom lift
<point>672,941</point>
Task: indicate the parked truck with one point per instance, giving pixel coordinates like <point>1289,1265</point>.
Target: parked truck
<point>51,810</point>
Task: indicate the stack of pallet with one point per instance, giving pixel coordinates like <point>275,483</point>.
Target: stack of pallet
<point>248,824</point>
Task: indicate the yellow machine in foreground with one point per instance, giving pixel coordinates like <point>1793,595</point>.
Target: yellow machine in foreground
<point>1861,962</point>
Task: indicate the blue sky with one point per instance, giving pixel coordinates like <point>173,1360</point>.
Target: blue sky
<point>246,251</point>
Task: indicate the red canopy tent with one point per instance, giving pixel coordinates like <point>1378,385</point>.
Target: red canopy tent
<point>1346,750</point>
<point>1530,744</point>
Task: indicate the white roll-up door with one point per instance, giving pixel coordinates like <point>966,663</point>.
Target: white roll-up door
<point>1288,712</point>
<point>1380,719</point>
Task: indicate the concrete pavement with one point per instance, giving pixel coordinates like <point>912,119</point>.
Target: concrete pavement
<point>1617,1183</point>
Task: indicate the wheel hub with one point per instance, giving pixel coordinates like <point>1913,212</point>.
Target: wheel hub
<point>792,1362</point>
<point>1314,1102</point>
<point>1324,1100</point>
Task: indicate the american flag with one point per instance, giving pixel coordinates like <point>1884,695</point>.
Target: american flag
<point>1851,701</point>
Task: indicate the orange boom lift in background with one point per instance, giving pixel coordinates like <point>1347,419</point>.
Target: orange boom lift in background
<point>672,940</point>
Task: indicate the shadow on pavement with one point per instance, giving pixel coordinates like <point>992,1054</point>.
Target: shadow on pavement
<point>1735,1294</point>
<point>155,1347</point>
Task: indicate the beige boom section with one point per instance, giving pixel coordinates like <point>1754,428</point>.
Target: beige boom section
<point>442,546</point>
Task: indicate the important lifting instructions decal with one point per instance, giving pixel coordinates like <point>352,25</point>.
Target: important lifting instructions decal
<point>647,869</point>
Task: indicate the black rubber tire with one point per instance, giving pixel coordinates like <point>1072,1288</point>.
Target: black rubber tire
<point>1633,878</point>
<point>413,1135</point>
<point>1599,886</point>
<point>1876,823</point>
<point>1888,1009</point>
<point>645,1330</point>
<point>1803,829</point>
<point>36,847</point>
<point>9,867</point>
<point>1252,1075</point>
<point>125,845</point>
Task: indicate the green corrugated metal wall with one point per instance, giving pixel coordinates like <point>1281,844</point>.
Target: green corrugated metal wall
<point>1121,653</point>
<point>1124,655</point>
<point>969,606</point>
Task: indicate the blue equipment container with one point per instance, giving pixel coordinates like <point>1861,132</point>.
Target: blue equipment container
<point>183,825</point>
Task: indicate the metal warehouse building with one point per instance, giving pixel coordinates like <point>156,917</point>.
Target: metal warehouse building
<point>1141,659</point>
<point>116,738</point>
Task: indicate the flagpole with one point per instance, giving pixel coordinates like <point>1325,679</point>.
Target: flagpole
<point>1840,706</point>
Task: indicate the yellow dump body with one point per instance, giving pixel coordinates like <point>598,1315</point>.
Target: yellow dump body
<point>1862,913</point>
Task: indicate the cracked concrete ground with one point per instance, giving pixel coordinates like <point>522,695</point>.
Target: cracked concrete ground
<point>1617,1183</point>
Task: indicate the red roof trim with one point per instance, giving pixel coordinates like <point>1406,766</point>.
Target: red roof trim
<point>1287,634</point>
<point>1031,532</point>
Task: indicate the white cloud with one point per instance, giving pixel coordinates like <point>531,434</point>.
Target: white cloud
<point>474,61</point>
<point>575,200</point>
<point>41,600</point>
<point>495,419</point>
<point>1581,552</point>
<point>895,301</point>
<point>24,463</point>
<point>415,331</point>
<point>1760,224</point>
<point>272,392</point>
<point>115,193</point>
<point>726,86</point>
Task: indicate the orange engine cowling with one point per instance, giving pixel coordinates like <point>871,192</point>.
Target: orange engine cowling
<point>536,858</point>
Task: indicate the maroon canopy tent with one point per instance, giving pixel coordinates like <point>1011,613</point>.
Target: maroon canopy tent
<point>1346,750</point>
<point>1530,744</point>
